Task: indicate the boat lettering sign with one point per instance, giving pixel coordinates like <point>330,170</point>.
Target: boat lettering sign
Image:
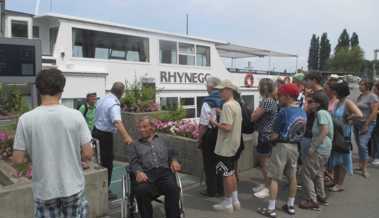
<point>173,77</point>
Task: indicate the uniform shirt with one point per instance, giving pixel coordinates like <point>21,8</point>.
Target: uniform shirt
<point>90,115</point>
<point>144,155</point>
<point>108,111</point>
<point>52,137</point>
<point>228,142</point>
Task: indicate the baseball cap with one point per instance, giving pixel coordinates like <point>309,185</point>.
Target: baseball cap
<point>289,89</point>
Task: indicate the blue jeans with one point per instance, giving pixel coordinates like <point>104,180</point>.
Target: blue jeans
<point>363,140</point>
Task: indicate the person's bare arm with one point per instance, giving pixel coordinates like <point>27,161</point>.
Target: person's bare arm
<point>224,126</point>
<point>354,111</point>
<point>124,134</point>
<point>18,157</point>
<point>257,114</point>
<point>87,152</point>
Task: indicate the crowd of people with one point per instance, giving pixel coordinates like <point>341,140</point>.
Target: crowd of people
<point>306,131</point>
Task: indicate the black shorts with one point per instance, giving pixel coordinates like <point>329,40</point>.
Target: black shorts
<point>225,165</point>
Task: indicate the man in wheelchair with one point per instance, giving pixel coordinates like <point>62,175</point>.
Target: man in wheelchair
<point>153,164</point>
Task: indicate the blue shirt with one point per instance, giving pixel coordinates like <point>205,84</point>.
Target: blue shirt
<point>108,111</point>
<point>290,124</point>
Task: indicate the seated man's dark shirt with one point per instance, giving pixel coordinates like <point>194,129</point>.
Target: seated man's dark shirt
<point>145,156</point>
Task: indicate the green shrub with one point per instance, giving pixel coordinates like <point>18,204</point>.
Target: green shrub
<point>139,98</point>
<point>173,115</point>
<point>12,100</point>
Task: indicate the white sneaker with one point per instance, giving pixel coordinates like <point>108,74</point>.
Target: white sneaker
<point>264,193</point>
<point>375,162</point>
<point>258,188</point>
<point>237,205</point>
<point>224,207</point>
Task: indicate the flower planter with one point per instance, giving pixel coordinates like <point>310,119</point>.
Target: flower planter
<point>191,158</point>
<point>188,153</point>
<point>16,198</point>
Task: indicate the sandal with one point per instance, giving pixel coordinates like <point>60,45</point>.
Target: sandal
<point>336,189</point>
<point>266,212</point>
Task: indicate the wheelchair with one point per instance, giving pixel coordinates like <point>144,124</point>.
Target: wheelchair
<point>129,207</point>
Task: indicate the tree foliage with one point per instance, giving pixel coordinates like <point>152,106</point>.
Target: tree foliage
<point>325,49</point>
<point>314,53</point>
<point>347,59</point>
<point>354,41</point>
<point>343,40</point>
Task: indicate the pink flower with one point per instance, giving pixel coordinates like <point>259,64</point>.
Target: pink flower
<point>3,136</point>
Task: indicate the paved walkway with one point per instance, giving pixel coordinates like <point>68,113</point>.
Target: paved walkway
<point>359,200</point>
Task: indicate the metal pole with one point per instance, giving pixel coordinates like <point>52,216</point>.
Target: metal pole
<point>187,24</point>
<point>36,9</point>
<point>51,5</point>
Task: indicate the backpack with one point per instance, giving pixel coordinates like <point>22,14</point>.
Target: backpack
<point>85,109</point>
<point>248,127</point>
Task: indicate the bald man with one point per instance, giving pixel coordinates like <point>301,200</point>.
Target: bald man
<point>108,122</point>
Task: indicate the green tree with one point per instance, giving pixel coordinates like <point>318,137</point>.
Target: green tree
<point>314,53</point>
<point>354,41</point>
<point>325,49</point>
<point>347,60</point>
<point>343,40</point>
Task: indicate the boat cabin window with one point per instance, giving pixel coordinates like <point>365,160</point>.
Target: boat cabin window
<point>35,32</point>
<point>19,29</point>
<point>189,106</point>
<point>168,52</point>
<point>169,103</point>
<point>203,56</point>
<point>184,53</point>
<point>103,45</point>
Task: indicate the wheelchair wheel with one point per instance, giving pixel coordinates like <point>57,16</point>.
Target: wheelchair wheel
<point>181,207</point>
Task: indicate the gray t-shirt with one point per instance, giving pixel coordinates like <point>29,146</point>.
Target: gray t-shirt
<point>364,102</point>
<point>52,136</point>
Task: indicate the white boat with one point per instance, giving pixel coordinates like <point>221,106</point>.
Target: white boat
<point>94,54</point>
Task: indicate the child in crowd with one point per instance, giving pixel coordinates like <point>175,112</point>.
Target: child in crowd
<point>288,129</point>
<point>315,159</point>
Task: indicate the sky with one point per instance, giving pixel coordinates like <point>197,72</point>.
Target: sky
<point>280,25</point>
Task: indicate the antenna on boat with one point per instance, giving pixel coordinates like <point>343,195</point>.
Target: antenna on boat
<point>36,9</point>
<point>51,5</point>
<point>187,24</point>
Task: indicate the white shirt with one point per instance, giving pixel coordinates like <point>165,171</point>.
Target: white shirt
<point>108,111</point>
<point>52,137</point>
<point>206,113</point>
